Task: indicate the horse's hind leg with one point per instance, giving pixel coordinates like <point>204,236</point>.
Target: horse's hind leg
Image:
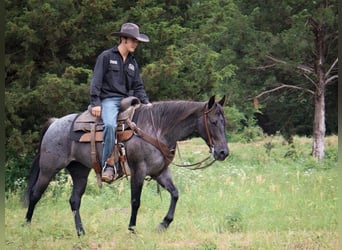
<point>137,181</point>
<point>79,174</point>
<point>37,191</point>
<point>165,180</point>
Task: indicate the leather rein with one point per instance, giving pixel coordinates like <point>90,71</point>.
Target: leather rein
<point>170,153</point>
<point>198,165</point>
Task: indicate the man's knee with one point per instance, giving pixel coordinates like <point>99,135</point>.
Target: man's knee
<point>109,130</point>
<point>109,127</point>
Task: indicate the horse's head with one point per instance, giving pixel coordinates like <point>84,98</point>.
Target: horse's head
<point>212,128</point>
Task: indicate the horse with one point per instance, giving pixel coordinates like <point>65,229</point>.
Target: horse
<point>168,121</point>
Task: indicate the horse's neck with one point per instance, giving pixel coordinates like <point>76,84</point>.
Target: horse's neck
<point>179,122</point>
<point>184,129</point>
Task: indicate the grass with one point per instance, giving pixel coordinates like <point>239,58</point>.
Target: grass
<point>266,195</point>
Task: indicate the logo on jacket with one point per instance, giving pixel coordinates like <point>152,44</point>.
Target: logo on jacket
<point>131,67</point>
<point>113,61</point>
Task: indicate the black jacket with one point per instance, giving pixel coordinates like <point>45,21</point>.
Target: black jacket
<point>113,78</point>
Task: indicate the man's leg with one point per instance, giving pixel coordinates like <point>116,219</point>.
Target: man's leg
<point>110,110</point>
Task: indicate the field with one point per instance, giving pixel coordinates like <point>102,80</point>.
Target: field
<point>265,195</point>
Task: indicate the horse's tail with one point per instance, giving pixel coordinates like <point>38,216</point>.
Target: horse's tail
<point>32,179</point>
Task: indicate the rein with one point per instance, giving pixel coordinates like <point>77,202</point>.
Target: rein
<point>169,153</point>
<point>198,165</point>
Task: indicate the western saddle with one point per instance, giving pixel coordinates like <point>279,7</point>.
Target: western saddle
<point>91,129</point>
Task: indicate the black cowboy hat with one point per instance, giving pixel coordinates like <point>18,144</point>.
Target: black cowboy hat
<point>132,30</point>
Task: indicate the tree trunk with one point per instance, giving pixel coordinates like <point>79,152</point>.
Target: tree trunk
<point>318,148</point>
<point>319,97</point>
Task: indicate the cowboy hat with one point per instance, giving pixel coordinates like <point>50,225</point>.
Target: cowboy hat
<point>132,30</point>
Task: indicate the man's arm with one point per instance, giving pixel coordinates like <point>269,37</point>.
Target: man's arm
<point>96,82</point>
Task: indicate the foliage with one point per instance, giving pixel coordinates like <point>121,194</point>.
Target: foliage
<point>293,41</point>
<point>53,97</point>
<point>197,48</point>
<point>16,169</point>
<point>241,127</point>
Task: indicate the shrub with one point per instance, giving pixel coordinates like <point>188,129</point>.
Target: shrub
<point>16,172</point>
<point>241,128</point>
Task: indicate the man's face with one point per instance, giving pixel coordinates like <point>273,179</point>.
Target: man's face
<point>131,44</point>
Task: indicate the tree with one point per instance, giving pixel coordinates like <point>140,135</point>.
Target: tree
<point>195,62</point>
<point>50,48</point>
<point>311,41</point>
<point>198,48</point>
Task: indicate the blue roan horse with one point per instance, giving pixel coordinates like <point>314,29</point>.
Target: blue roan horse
<point>169,121</point>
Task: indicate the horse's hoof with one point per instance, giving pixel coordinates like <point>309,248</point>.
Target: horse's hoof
<point>26,223</point>
<point>161,228</point>
<point>132,230</point>
<point>80,232</point>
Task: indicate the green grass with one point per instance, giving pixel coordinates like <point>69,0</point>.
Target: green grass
<point>266,195</point>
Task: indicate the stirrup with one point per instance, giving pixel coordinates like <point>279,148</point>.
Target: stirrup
<point>110,177</point>
<point>115,171</point>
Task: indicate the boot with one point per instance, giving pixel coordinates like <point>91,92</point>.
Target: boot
<point>108,174</point>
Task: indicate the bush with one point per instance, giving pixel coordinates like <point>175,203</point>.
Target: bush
<point>240,128</point>
<point>16,172</point>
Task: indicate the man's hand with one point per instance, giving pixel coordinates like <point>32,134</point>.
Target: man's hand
<point>149,104</point>
<point>96,111</point>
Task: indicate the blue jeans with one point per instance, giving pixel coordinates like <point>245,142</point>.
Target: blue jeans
<point>109,113</point>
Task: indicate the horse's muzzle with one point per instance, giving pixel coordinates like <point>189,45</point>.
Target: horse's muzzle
<point>221,154</point>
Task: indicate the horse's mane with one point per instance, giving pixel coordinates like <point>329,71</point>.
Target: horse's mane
<point>167,114</point>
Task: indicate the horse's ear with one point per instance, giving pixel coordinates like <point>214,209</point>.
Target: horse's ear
<point>222,101</point>
<point>211,102</point>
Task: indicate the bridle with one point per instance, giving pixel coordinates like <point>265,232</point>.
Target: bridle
<point>206,125</point>
<point>198,165</point>
<point>169,153</point>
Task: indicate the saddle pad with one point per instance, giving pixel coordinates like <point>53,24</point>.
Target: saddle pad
<point>122,136</point>
<point>86,137</point>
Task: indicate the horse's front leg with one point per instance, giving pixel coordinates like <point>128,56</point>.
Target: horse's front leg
<point>137,181</point>
<point>165,180</point>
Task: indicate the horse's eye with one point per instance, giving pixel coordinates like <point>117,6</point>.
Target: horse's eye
<point>214,123</point>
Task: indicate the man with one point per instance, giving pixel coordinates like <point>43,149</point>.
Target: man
<point>116,76</point>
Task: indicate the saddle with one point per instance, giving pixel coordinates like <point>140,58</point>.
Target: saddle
<point>90,129</point>
<point>92,126</point>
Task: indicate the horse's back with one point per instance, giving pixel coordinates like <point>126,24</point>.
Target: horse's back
<point>56,143</point>
<point>58,128</point>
